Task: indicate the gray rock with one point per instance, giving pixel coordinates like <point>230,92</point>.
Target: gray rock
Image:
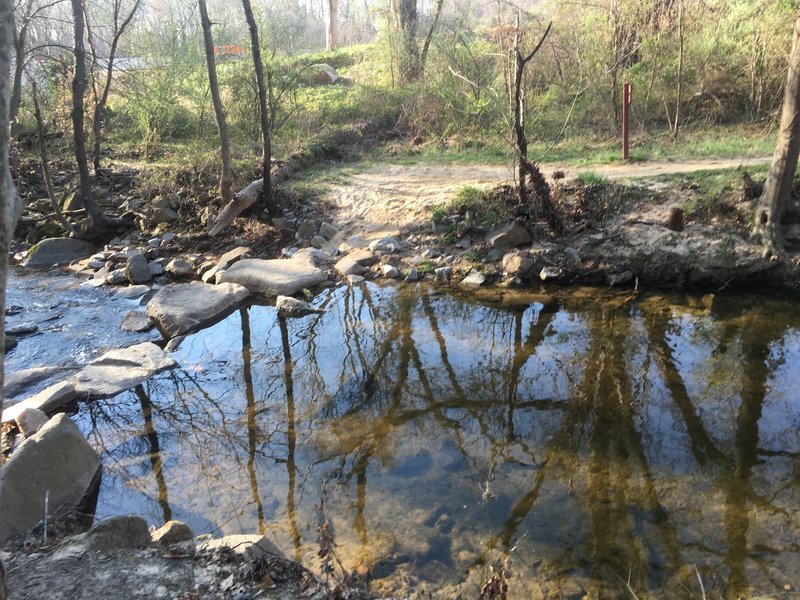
<point>509,236</point>
<point>347,266</point>
<point>119,276</point>
<point>168,237</point>
<point>292,307</point>
<point>387,244</point>
<point>58,251</point>
<point>312,256</point>
<point>156,269</point>
<point>274,277</point>
<point>318,241</point>
<point>172,532</point>
<point>161,202</point>
<point>163,215</point>
<point>57,462</point>
<point>180,308</point>
<point>621,278</point>
<point>133,291</point>
<point>283,224</point>
<point>248,547</point>
<point>137,270</point>
<point>518,263</point>
<point>10,344</point>
<point>48,400</point>
<point>136,321</point>
<point>443,273</point>
<point>23,329</point>
<point>305,230</point>
<point>363,257</point>
<point>119,370</point>
<point>180,267</point>
<point>355,279</point>
<point>413,275</point>
<point>154,243</point>
<point>328,231</point>
<point>19,381</point>
<point>224,262</point>
<point>390,271</point>
<point>473,281</point>
<point>127,531</point>
<point>96,264</point>
<point>30,421</point>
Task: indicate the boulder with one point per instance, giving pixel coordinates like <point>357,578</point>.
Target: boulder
<point>172,532</point>
<point>180,267</point>
<point>387,245</point>
<point>318,241</point>
<point>413,275</point>
<point>57,462</point>
<point>363,257</point>
<point>324,73</point>
<point>292,307</point>
<point>248,547</point>
<point>137,270</point>
<point>473,281</point>
<point>518,263</point>
<point>180,308</point>
<point>30,420</point>
<point>48,400</point>
<point>274,277</point>
<point>133,291</point>
<point>156,269</point>
<point>136,321</point>
<point>305,230</point>
<point>510,235</point>
<point>225,261</point>
<point>58,251</point>
<point>355,279</point>
<point>390,271</point>
<point>19,381</point>
<point>126,531</point>
<point>163,215</point>
<point>328,231</point>
<point>347,266</point>
<point>119,370</point>
<point>443,273</point>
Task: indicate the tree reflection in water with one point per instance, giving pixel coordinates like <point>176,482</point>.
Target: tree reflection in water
<point>602,440</point>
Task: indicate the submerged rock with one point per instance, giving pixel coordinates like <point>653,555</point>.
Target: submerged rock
<point>136,321</point>
<point>58,251</point>
<point>120,370</point>
<point>292,307</point>
<point>180,308</point>
<point>274,277</point>
<point>56,462</point>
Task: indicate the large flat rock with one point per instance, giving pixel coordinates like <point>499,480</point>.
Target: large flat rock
<point>180,308</point>
<point>58,251</point>
<point>274,277</point>
<point>120,370</point>
<point>58,462</point>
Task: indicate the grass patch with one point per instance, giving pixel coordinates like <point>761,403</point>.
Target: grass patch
<point>590,178</point>
<point>472,211</point>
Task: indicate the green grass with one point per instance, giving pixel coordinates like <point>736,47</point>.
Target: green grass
<point>590,178</point>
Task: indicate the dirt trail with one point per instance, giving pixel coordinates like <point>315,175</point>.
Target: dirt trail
<point>385,199</point>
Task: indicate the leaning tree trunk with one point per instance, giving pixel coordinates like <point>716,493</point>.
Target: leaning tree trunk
<point>405,12</point>
<point>332,25</point>
<point>226,181</point>
<point>99,223</point>
<point>9,201</point>
<point>778,188</point>
<point>267,195</point>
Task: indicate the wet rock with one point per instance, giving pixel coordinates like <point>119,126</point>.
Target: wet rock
<point>133,291</point>
<point>474,280</point>
<point>23,329</point>
<point>355,279</point>
<point>348,266</point>
<point>274,277</point>
<point>137,270</point>
<point>248,547</point>
<point>443,273</point>
<point>119,370</point>
<point>111,534</point>
<point>292,307</point>
<point>413,275</point>
<point>30,421</point>
<point>136,321</point>
<point>119,276</point>
<point>318,241</point>
<point>180,267</point>
<point>10,344</point>
<point>509,236</point>
<point>48,400</point>
<point>57,462</point>
<point>172,532</point>
<point>518,263</point>
<point>328,231</point>
<point>19,381</point>
<point>58,251</point>
<point>390,271</point>
<point>180,308</point>
<point>305,230</point>
<point>387,244</point>
<point>620,278</point>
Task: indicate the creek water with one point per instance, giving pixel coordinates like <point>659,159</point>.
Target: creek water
<point>593,442</point>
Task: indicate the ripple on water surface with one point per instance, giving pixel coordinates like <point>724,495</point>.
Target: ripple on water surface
<point>594,438</point>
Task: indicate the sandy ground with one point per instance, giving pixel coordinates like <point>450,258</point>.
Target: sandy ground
<point>385,199</point>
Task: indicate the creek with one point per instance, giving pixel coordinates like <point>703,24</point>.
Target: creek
<point>593,441</point>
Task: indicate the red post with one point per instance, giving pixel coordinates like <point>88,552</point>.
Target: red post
<point>627,96</point>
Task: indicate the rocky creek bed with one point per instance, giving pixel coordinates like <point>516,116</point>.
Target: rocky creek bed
<point>165,288</point>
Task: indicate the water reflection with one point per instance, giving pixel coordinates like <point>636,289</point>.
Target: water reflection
<point>607,443</point>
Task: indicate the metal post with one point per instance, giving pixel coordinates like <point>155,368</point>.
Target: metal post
<point>627,96</point>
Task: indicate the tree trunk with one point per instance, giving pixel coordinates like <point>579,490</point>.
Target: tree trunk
<point>426,46</point>
<point>680,72</point>
<point>267,194</point>
<point>99,223</point>
<point>9,201</point>
<point>405,12</point>
<point>226,181</point>
<point>332,25</point>
<point>778,188</point>
<point>19,65</point>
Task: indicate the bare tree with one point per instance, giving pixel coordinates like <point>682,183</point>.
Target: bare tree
<point>226,181</point>
<point>332,25</point>
<point>9,201</point>
<point>267,195</point>
<point>411,64</point>
<point>778,188</point>
<point>101,89</point>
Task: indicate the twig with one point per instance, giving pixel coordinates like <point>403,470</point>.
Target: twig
<point>700,581</point>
